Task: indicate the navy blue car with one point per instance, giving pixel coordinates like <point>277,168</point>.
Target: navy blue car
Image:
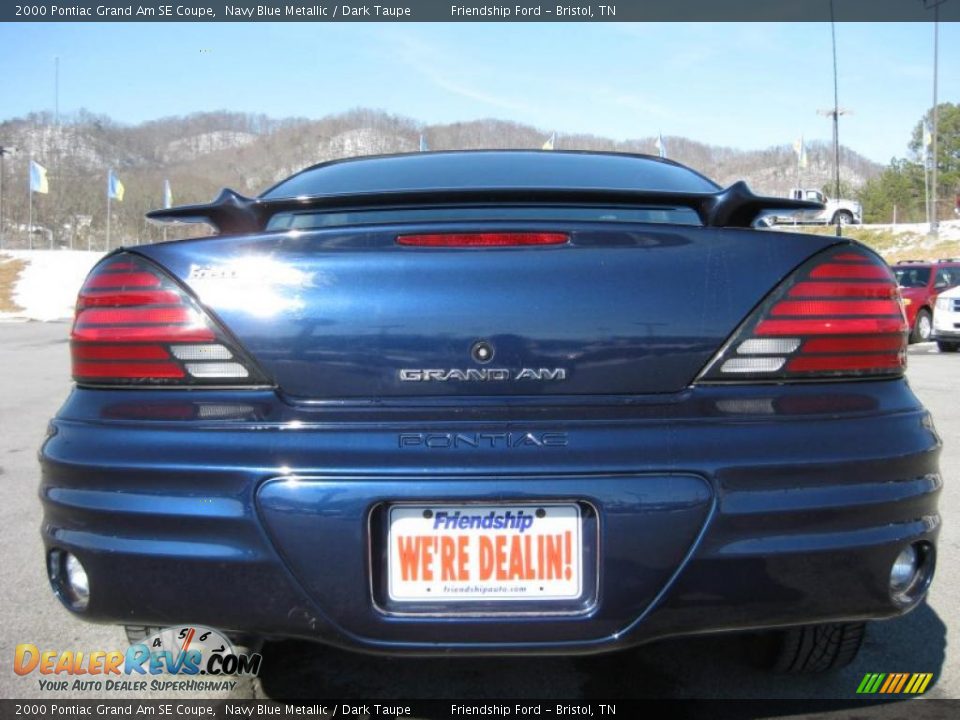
<point>494,402</point>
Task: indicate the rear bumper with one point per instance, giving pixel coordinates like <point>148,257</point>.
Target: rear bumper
<point>717,509</point>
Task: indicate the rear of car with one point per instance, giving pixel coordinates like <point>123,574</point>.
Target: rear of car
<point>460,403</point>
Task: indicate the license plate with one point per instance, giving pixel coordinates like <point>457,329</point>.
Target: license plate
<point>456,553</point>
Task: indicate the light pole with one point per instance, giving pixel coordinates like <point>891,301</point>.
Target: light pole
<point>934,220</point>
<point>835,113</point>
<point>3,152</point>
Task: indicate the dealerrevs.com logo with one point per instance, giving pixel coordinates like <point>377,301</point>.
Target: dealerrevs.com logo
<point>185,658</point>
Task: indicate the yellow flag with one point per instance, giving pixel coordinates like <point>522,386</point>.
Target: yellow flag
<point>801,150</point>
<point>114,187</point>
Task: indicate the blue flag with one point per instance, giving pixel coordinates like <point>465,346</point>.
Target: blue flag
<point>114,187</point>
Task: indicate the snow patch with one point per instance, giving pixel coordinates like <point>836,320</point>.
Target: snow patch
<point>949,230</point>
<point>48,286</point>
<point>913,238</point>
<point>365,141</point>
<point>192,147</point>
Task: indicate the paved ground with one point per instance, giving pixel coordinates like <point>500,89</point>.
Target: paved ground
<point>34,381</point>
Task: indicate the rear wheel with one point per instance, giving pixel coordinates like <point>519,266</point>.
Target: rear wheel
<point>842,217</point>
<point>950,347</point>
<point>922,327</point>
<point>811,648</point>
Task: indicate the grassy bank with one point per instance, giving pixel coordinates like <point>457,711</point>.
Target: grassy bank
<point>900,242</point>
<point>10,269</point>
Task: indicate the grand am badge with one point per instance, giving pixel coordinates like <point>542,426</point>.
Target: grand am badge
<point>481,374</point>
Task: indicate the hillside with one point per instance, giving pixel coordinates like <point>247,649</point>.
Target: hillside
<point>201,153</point>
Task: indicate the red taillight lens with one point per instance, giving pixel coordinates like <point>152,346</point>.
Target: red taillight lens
<point>838,316</point>
<point>136,325</point>
<point>482,240</point>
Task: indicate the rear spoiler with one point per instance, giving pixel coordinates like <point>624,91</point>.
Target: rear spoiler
<point>233,214</point>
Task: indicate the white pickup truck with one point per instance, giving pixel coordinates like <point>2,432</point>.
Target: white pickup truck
<point>844,212</point>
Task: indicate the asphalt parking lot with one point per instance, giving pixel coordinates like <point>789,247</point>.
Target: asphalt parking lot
<point>35,380</point>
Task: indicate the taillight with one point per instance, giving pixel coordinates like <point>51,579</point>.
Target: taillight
<point>482,239</point>
<point>135,325</point>
<point>838,316</point>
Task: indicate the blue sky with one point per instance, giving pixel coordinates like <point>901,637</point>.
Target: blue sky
<point>748,85</point>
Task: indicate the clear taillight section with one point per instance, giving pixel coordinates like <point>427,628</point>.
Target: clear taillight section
<point>838,316</point>
<point>135,325</point>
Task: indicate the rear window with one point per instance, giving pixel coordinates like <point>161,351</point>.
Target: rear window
<point>490,170</point>
<point>912,277</point>
<point>316,220</point>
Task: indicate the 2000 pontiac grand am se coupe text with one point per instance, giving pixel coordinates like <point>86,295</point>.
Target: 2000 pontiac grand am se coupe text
<point>494,402</point>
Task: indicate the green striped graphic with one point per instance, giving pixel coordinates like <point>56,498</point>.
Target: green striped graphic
<point>912,683</point>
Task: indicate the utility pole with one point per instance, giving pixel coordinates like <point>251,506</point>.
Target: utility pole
<point>836,114</point>
<point>108,216</point>
<point>934,219</point>
<point>3,152</point>
<point>30,203</point>
<point>56,90</point>
<point>57,138</point>
<point>926,172</point>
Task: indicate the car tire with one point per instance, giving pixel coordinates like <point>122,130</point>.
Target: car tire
<point>842,217</point>
<point>947,347</point>
<point>811,648</point>
<point>922,327</point>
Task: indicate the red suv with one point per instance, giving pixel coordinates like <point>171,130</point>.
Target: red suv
<point>920,282</point>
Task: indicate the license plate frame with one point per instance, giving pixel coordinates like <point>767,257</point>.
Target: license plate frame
<point>577,597</point>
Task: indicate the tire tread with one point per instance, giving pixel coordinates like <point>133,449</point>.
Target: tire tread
<point>818,648</point>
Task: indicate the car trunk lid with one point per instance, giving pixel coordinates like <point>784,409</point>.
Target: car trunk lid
<point>348,313</point>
